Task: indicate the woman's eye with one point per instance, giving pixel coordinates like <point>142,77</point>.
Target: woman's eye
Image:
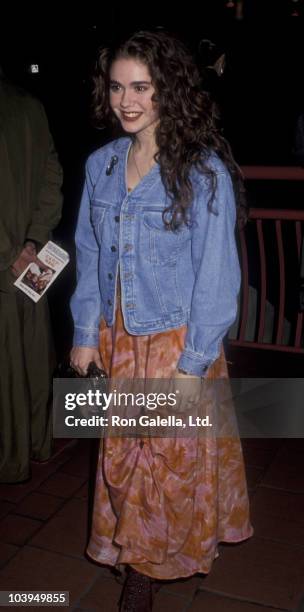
<point>140,88</point>
<point>114,87</point>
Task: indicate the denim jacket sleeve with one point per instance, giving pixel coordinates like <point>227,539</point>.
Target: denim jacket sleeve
<point>217,277</point>
<point>85,302</point>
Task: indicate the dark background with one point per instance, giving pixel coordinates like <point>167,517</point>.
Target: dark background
<point>261,91</point>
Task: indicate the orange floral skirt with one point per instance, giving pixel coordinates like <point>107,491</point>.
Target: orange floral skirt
<point>163,506</point>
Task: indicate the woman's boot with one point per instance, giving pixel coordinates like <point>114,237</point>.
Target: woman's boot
<point>137,595</point>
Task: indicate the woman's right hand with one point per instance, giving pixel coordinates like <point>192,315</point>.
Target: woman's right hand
<point>81,356</point>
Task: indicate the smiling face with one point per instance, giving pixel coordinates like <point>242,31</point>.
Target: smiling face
<point>131,92</point>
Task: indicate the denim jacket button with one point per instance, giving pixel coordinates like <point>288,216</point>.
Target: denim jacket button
<point>110,302</point>
<point>110,276</point>
<point>116,218</point>
<point>113,248</point>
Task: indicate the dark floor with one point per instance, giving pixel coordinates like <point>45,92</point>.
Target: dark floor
<point>44,526</point>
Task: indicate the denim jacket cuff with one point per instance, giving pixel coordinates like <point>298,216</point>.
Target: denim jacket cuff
<point>193,363</point>
<point>86,337</point>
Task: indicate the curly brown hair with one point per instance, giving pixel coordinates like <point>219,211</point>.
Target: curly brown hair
<point>188,130</point>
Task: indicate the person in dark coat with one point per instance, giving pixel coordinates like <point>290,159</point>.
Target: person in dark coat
<point>30,207</point>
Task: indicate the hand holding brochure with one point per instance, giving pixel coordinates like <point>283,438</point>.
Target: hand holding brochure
<point>36,278</point>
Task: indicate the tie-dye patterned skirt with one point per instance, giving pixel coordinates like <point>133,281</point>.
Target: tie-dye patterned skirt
<point>162,505</point>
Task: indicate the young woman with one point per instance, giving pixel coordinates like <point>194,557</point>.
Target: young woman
<point>158,278</point>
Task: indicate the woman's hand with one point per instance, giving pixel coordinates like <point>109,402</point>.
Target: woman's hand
<point>189,387</point>
<point>81,356</point>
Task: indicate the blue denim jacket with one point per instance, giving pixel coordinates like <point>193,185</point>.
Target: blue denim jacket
<point>168,279</point>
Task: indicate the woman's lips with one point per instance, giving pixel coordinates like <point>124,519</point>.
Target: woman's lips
<point>130,116</point>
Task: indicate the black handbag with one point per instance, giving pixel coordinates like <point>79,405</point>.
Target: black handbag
<point>95,379</point>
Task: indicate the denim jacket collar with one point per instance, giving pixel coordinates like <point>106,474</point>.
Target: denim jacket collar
<point>123,148</point>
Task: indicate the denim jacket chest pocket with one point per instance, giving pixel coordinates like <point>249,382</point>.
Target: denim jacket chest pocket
<point>97,215</point>
<point>160,245</point>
